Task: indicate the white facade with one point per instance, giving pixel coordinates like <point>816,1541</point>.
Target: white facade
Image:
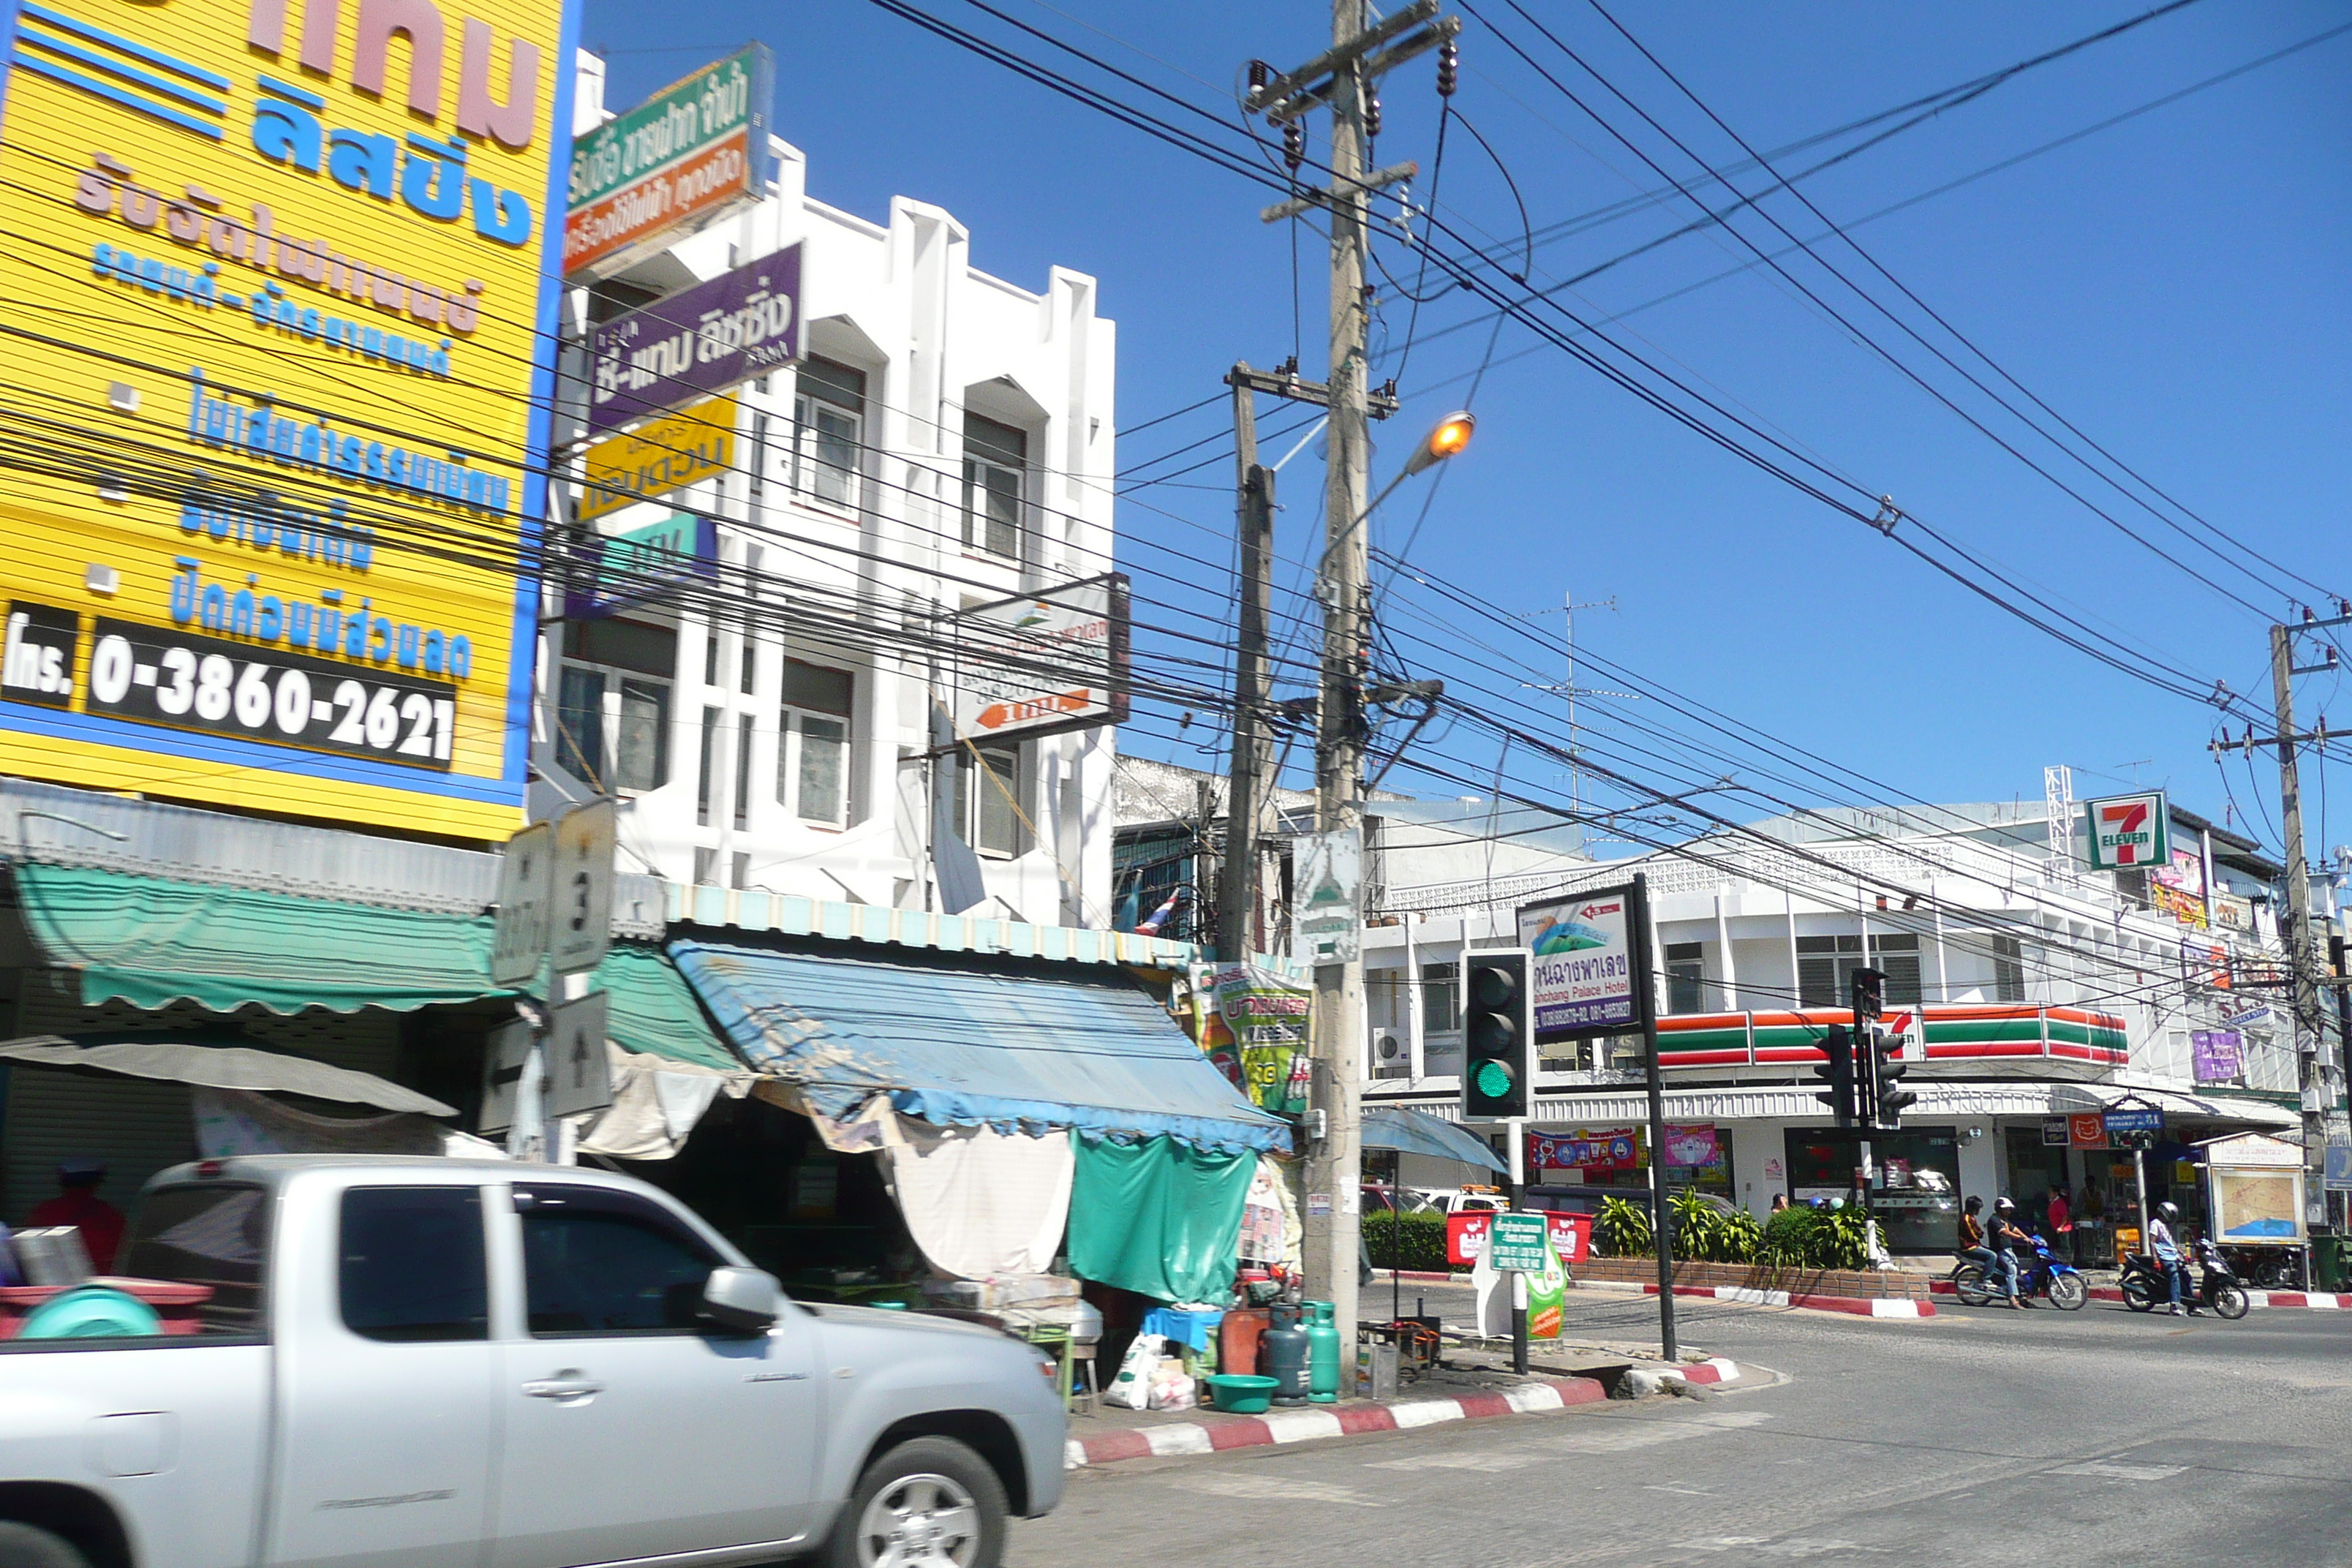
<point>946,442</point>
<point>1974,915</point>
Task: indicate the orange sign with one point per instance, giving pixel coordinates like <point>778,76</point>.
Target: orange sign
<point>2086,1130</point>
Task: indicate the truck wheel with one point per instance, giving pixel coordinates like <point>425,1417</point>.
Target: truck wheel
<point>928,1503</point>
<point>26,1546</point>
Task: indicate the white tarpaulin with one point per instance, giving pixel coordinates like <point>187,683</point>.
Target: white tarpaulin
<point>980,1202</point>
<point>233,1121</point>
<point>655,1103</point>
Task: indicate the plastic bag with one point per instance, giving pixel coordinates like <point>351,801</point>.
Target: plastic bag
<point>1172,1386</point>
<point>1131,1389</point>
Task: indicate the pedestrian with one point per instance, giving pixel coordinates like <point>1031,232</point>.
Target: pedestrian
<point>2062,1226</point>
<point>79,1204</point>
<point>1780,1201</point>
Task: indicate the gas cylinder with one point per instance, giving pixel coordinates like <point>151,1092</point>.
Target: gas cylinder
<point>1322,1354</point>
<point>1282,1355</point>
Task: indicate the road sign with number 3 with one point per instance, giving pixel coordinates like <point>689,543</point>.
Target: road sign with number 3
<point>583,909</point>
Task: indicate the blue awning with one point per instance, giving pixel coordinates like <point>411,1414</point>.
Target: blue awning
<point>962,1045</point>
<point>1417,1133</point>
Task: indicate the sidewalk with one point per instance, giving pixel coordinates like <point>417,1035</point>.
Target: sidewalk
<point>1473,1386</point>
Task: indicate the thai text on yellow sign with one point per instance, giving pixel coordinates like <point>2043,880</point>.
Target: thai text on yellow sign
<point>279,369</point>
<point>658,457</point>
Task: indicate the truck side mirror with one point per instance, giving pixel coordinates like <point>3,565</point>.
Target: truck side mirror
<point>745,1300</point>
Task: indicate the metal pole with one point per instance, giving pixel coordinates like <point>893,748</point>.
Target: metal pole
<point>1516,1127</point>
<point>2309,1074</point>
<point>1251,758</point>
<point>1660,1216</point>
<point>1332,1166</point>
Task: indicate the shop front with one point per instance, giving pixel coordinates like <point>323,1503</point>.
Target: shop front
<point>1914,1186</point>
<point>1578,1168</point>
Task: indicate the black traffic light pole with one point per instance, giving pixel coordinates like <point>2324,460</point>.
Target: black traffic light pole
<point>1660,1216</point>
<point>1869,1002</point>
<point>1498,1078</point>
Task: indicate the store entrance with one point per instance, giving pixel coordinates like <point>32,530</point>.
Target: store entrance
<point>1916,1186</point>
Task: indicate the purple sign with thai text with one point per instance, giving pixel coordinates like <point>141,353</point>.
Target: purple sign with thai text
<point>702,340</point>
<point>2217,1057</point>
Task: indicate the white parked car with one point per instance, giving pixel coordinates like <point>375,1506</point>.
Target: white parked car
<point>341,1360</point>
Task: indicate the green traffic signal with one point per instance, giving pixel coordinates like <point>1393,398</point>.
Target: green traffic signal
<point>1493,1079</point>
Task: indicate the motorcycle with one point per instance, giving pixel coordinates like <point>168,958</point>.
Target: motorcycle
<point>2146,1287</point>
<point>2041,1275</point>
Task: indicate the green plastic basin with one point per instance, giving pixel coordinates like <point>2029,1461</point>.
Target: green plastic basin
<point>1241,1395</point>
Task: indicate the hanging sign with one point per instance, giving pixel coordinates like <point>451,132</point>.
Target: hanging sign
<point>2129,832</point>
<point>2217,1055</point>
<point>1045,662</point>
<point>1582,964</point>
<point>697,342</point>
<point>657,458</point>
<point>688,155</point>
<point>1327,914</point>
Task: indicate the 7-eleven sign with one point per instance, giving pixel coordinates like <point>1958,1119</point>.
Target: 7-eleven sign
<point>2129,832</point>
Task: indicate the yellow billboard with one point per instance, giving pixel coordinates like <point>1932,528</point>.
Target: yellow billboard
<point>278,373</point>
<point>658,457</point>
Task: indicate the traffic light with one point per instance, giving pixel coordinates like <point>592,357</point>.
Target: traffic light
<point>1497,1033</point>
<point>1887,1097</point>
<point>1869,996</point>
<point>1838,1073</point>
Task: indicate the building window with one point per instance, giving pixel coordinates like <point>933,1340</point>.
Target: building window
<point>1685,978</point>
<point>1825,966</point>
<point>742,771</point>
<point>2008,969</point>
<point>995,469</point>
<point>984,802</point>
<point>812,743</point>
<point>705,787</point>
<point>1441,1006</point>
<point>828,432</point>
<point>759,456</point>
<point>612,702</point>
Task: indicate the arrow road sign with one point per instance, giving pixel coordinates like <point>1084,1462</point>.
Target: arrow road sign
<point>579,1069</point>
<point>502,1065</point>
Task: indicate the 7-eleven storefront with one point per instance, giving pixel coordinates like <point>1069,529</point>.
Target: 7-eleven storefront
<point>1743,1122</point>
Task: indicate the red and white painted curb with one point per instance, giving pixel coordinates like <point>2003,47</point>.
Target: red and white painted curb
<point>2310,1301</point>
<point>1215,1434</point>
<point>1856,1306</point>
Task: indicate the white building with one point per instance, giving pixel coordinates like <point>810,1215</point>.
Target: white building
<point>947,441</point>
<point>2026,991</point>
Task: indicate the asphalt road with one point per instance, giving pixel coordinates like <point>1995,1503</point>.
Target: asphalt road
<point>1978,1436</point>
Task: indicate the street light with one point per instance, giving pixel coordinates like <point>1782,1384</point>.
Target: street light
<point>1446,438</point>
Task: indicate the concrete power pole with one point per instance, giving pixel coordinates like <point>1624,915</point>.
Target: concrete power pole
<point>2320,1090</point>
<point>1339,78</point>
<point>1253,751</point>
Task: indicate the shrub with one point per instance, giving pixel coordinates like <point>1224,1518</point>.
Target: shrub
<point>1415,1241</point>
<point>1621,1229</point>
<point>1789,1238</point>
<point>1815,1238</point>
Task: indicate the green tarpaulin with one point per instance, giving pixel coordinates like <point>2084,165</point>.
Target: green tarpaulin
<point>151,940</point>
<point>1158,1217</point>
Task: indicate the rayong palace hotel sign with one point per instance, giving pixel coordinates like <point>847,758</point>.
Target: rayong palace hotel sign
<point>280,359</point>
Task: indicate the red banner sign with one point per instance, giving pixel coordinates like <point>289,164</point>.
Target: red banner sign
<point>1466,1233</point>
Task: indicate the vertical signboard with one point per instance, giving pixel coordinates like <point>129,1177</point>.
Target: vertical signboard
<point>281,347</point>
<point>1583,964</point>
<point>688,155</point>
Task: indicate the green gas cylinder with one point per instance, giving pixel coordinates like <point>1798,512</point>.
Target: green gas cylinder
<point>1322,1354</point>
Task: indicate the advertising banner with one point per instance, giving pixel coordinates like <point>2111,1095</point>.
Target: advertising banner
<point>2086,1130</point>
<point>2217,1055</point>
<point>1044,662</point>
<point>1267,1016</point>
<point>2129,832</point>
<point>688,155</point>
<point>1691,1144</point>
<point>1583,964</point>
<point>279,409</point>
<point>702,340</point>
<point>659,458</point>
<point>1618,1150</point>
<point>1328,910</point>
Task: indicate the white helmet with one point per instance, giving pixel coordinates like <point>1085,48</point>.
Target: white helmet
<point>2002,1206</point>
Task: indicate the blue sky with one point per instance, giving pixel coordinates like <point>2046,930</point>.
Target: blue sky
<point>2172,285</point>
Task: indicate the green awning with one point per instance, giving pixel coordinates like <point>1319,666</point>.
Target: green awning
<point>653,1012</point>
<point>152,940</point>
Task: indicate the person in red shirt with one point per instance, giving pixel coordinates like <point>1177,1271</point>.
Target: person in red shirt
<point>79,1204</point>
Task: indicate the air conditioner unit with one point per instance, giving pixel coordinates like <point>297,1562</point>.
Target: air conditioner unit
<point>1392,1052</point>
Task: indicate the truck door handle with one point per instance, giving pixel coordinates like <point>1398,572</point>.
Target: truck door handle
<point>569,1384</point>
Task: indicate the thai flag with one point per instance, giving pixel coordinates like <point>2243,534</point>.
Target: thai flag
<point>1159,916</point>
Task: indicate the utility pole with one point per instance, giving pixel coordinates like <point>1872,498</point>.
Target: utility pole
<point>1339,78</point>
<point>1251,769</point>
<point>2312,1072</point>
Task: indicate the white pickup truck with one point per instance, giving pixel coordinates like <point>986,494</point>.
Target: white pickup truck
<point>435,1362</point>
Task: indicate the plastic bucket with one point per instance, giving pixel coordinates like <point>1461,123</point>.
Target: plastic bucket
<point>1241,1395</point>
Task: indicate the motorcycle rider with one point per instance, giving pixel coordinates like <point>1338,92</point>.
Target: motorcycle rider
<point>2170,1255</point>
<point>2008,1242</point>
<point>1972,1238</point>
